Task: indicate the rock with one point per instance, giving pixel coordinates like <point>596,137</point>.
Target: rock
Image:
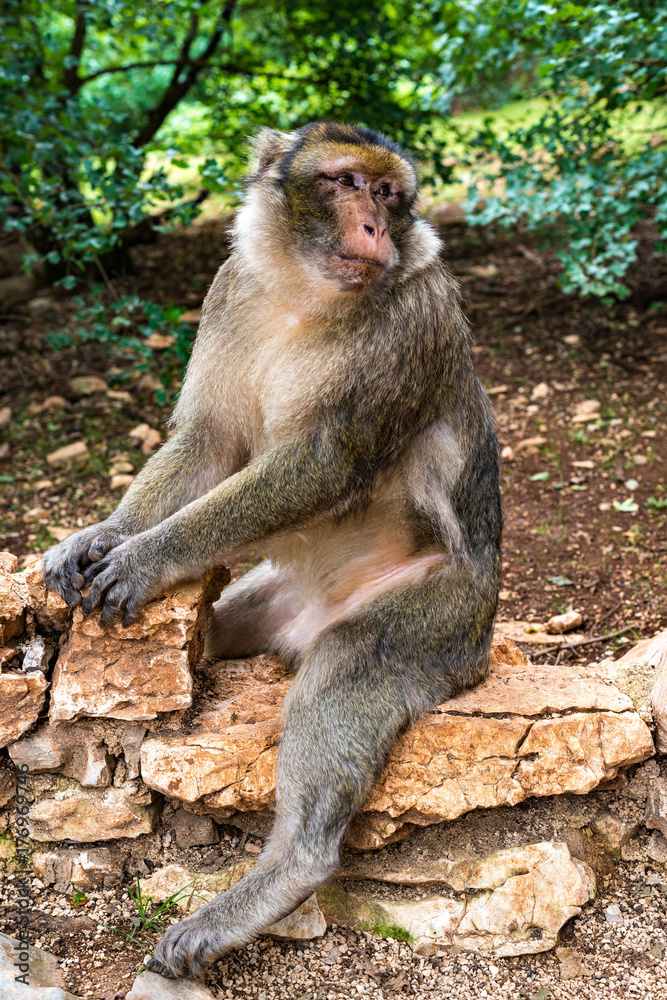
<point>149,986</point>
<point>21,700</point>
<point>530,634</point>
<point>569,963</point>
<point>307,922</point>
<point>135,672</point>
<point>49,608</point>
<point>159,341</point>
<point>41,978</point>
<point>120,481</point>
<point>60,533</point>
<point>657,849</point>
<point>197,888</point>
<point>14,600</point>
<point>525,895</point>
<point>563,623</point>
<point>148,436</point>
<point>656,806</point>
<point>530,444</point>
<point>5,421</point>
<point>84,815</point>
<point>614,831</point>
<point>8,563</point>
<point>85,870</point>
<point>191,830</point>
<point>505,650</point>
<point>70,453</point>
<point>74,751</point>
<point>613,915</point>
<point>585,411</point>
<point>540,391</point>
<point>35,655</point>
<point>86,385</point>
<point>487,747</point>
<point>192,889</point>
<point>148,383</point>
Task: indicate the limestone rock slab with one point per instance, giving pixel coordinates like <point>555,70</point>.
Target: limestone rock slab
<point>304,924</point>
<point>21,700</point>
<point>50,610</point>
<point>526,731</point>
<point>43,977</point>
<point>82,815</point>
<point>75,751</point>
<point>134,673</point>
<point>14,599</point>
<point>150,986</point>
<point>516,902</point>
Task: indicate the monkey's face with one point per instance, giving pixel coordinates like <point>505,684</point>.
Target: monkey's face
<point>349,213</point>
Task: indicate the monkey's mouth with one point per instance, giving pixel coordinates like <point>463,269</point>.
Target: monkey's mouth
<point>355,271</point>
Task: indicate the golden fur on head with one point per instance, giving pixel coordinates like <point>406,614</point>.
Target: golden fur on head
<point>263,223</point>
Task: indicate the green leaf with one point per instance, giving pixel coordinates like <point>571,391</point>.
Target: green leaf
<point>539,477</point>
<point>627,506</point>
<point>560,581</point>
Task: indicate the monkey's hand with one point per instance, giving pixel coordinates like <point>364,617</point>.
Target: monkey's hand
<point>126,578</point>
<point>64,563</point>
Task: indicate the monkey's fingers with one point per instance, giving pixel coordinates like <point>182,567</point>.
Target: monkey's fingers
<point>100,582</point>
<point>66,580</point>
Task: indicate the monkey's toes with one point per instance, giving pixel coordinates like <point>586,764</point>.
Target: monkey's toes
<point>183,951</point>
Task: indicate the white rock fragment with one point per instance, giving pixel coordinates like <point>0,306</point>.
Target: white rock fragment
<point>563,623</point>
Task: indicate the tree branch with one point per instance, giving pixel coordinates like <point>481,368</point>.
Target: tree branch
<point>71,71</point>
<point>179,86</point>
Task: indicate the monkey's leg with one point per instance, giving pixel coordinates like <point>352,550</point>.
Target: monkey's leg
<point>361,683</point>
<point>250,613</point>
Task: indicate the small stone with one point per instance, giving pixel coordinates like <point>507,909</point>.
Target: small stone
<point>120,481</point>
<point>540,391</point>
<point>563,623</point>
<point>587,409</point>
<point>86,385</point>
<point>570,963</point>
<point>159,341</point>
<point>35,655</point>
<point>656,806</point>
<point>614,831</point>
<point>70,453</point>
<point>55,403</point>
<point>87,869</point>
<point>75,751</point>
<point>657,848</point>
<point>120,394</point>
<point>148,383</point>
<point>60,533</point>
<point>304,924</point>
<point>5,416</point>
<point>121,467</point>
<point>613,915</point>
<point>530,444</point>
<point>192,830</point>
<point>148,436</point>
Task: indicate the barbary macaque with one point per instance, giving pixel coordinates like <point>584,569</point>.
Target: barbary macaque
<point>332,417</point>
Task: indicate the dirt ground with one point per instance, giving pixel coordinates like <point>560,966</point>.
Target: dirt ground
<point>585,526</point>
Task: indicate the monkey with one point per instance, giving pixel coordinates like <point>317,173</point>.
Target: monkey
<point>331,415</point>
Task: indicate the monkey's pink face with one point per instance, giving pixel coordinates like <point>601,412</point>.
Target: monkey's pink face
<point>368,209</point>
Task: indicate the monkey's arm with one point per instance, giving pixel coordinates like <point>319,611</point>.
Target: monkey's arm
<point>314,473</point>
<point>184,468</point>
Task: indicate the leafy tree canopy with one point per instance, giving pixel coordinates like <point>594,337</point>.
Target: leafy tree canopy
<point>99,97</point>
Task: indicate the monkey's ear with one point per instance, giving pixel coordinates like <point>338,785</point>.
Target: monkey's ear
<point>267,147</point>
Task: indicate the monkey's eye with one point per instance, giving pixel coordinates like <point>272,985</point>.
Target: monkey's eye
<point>384,191</point>
<point>345,180</point>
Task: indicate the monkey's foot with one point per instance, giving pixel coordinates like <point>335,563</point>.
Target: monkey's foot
<point>189,947</point>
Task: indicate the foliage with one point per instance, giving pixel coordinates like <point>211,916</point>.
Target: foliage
<point>102,101</point>
<point>595,162</point>
<point>92,90</point>
<point>124,327</point>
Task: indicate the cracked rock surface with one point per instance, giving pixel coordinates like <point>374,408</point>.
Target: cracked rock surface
<point>526,731</point>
